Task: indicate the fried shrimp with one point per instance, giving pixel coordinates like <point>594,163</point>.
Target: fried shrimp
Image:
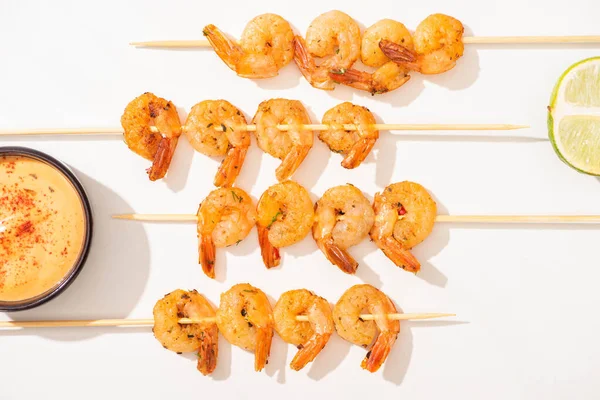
<point>143,113</point>
<point>310,337</point>
<point>404,217</point>
<point>349,325</point>
<point>285,216</point>
<point>290,146</point>
<point>202,337</point>
<point>266,46</point>
<point>225,218</point>
<point>335,38</point>
<point>354,145</point>
<point>217,128</point>
<point>343,217</point>
<point>389,75</point>
<point>437,46</point>
<point>245,318</point>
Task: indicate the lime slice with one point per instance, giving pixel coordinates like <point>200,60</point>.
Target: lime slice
<point>574,116</point>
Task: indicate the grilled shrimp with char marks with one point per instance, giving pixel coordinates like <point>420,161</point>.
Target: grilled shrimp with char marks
<point>285,215</point>
<point>141,115</point>
<point>382,332</point>
<point>335,38</point>
<point>217,128</point>
<point>225,217</point>
<point>201,337</point>
<point>343,217</point>
<point>265,47</point>
<point>309,336</point>
<point>291,146</point>
<point>245,318</point>
<point>404,217</point>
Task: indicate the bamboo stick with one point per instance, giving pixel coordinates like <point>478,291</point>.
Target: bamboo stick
<point>190,44</point>
<point>480,219</point>
<point>150,321</point>
<point>252,128</point>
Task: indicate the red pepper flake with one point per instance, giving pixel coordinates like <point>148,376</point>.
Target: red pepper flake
<point>24,229</point>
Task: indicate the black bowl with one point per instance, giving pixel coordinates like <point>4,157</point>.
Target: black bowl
<point>87,210</point>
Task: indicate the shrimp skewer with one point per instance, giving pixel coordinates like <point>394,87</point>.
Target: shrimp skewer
<point>266,46</point>
<point>343,217</point>
<point>285,215</point>
<point>291,146</point>
<point>404,217</point>
<point>201,337</point>
<point>382,332</point>
<point>354,145</point>
<point>389,74</point>
<point>245,318</point>
<point>333,36</point>
<point>143,113</point>
<point>230,139</point>
<point>310,337</point>
<point>438,45</point>
<point>225,217</point>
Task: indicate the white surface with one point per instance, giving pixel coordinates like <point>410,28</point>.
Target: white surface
<point>526,297</point>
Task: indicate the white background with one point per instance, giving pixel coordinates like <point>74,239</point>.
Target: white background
<point>526,296</point>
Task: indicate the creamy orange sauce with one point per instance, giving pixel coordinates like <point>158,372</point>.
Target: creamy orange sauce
<point>42,227</point>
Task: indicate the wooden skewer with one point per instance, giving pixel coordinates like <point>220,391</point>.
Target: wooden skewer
<point>481,219</point>
<point>188,44</point>
<point>150,321</point>
<point>252,128</point>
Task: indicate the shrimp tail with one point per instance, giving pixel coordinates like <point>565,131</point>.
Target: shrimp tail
<point>230,167</point>
<point>309,351</point>
<point>226,49</point>
<point>303,60</point>
<point>399,255</point>
<point>306,65</point>
<point>207,255</point>
<point>162,158</point>
<point>207,355</point>
<point>256,66</point>
<point>291,162</point>
<point>338,256</point>
<point>263,347</point>
<point>270,254</point>
<point>352,77</point>
<point>400,54</point>
<point>379,352</point>
<point>359,151</point>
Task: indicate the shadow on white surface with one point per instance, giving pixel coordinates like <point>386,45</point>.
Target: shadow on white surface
<point>277,365</point>
<point>277,362</point>
<point>396,365</point>
<point>316,161</point>
<point>113,278</point>
<point>243,248</point>
<point>288,78</point>
<point>365,272</point>
<point>435,242</point>
<point>181,164</point>
<point>298,250</point>
<point>329,358</point>
<point>223,369</point>
<point>251,167</point>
